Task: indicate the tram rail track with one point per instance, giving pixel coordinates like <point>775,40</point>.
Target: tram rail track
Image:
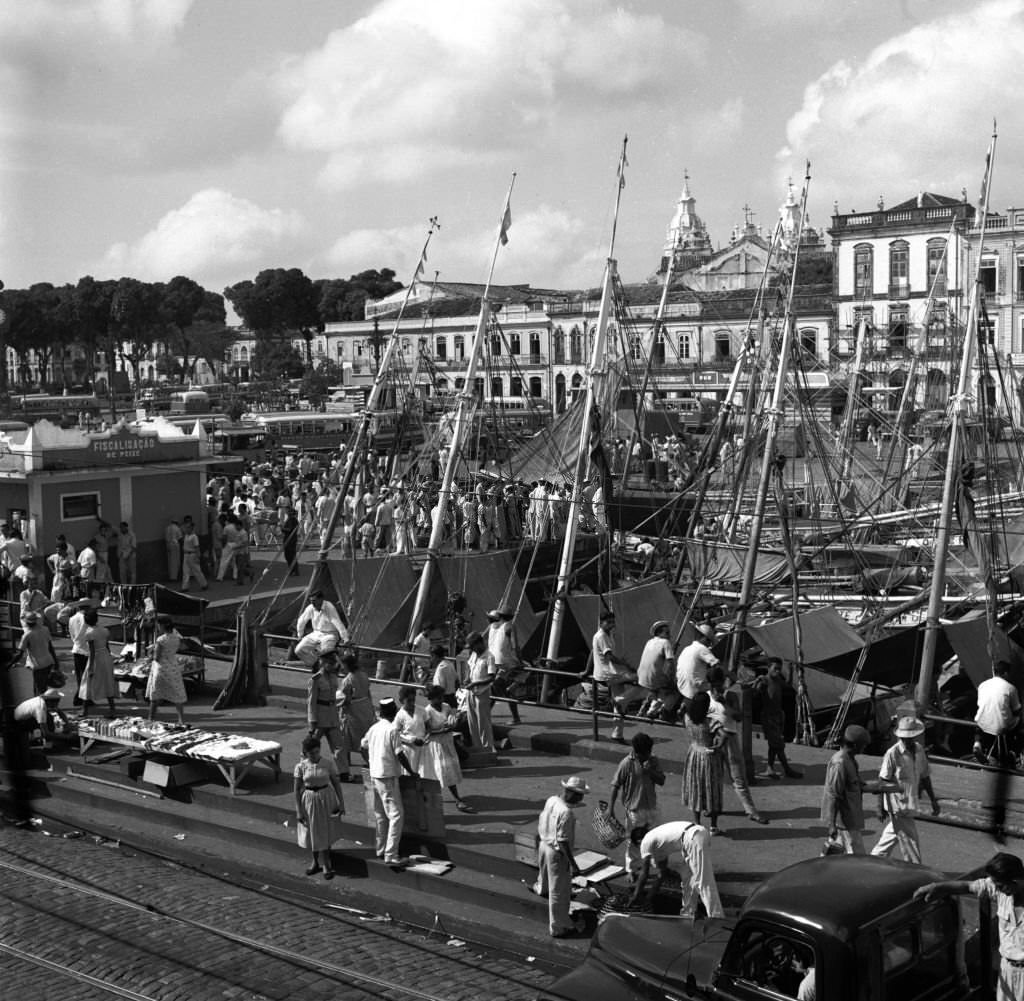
<point>17,867</point>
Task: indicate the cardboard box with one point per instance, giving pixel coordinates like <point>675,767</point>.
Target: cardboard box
<point>132,766</point>
<point>423,804</point>
<point>165,771</point>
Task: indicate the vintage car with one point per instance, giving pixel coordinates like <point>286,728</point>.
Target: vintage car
<point>846,924</point>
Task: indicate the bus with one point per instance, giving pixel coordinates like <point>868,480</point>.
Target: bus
<point>310,432</point>
<point>245,439</point>
<point>58,409</point>
<point>190,401</point>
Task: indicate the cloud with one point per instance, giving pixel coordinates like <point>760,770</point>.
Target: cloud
<point>412,88</point>
<point>544,241</point>
<point>213,234</point>
<point>915,113</point>
<point>720,128</point>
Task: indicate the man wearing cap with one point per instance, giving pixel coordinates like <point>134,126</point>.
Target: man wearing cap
<point>556,864</point>
<point>683,846</point>
<point>654,673</point>
<point>842,808</point>
<point>327,631</point>
<point>504,651</point>
<point>41,713</point>
<point>478,692</point>
<point>383,748</point>
<point>612,670</point>
<point>693,663</point>
<point>902,776</point>
<point>36,645</point>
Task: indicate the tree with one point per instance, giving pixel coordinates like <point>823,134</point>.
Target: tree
<point>137,320</point>
<point>342,299</point>
<point>275,360</point>
<point>195,321</point>
<point>92,302</point>
<point>277,304</point>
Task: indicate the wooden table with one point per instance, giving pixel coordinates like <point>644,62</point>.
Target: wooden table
<point>232,769</point>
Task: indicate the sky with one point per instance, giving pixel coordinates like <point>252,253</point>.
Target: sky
<point>217,138</point>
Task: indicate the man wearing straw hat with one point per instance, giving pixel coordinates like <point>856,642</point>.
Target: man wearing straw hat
<point>556,865</point>
<point>693,663</point>
<point>478,683</point>
<point>504,650</point>
<point>904,774</point>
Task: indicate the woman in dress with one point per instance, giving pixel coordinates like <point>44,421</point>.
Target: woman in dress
<point>166,683</point>
<point>98,680</point>
<point>702,768</point>
<point>354,704</point>
<point>440,760</point>
<point>318,806</point>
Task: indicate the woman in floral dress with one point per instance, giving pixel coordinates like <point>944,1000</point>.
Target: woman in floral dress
<point>354,705</point>
<point>702,768</point>
<point>166,683</point>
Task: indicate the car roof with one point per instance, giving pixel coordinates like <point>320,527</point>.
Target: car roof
<point>838,893</point>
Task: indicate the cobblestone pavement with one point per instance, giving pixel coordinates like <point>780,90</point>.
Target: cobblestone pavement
<point>255,948</point>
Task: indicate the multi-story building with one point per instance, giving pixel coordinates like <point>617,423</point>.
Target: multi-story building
<point>888,262</point>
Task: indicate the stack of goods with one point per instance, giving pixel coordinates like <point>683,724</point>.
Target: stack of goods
<point>139,667</point>
<point>173,738</point>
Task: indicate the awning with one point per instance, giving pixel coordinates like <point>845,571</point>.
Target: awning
<point>824,634</point>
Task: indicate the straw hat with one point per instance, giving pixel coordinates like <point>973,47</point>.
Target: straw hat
<point>658,626</point>
<point>575,784</point>
<point>909,726</point>
<point>705,630</point>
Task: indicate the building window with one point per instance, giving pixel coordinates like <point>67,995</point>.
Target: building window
<point>899,269</point>
<point>495,345</point>
<point>575,346</point>
<point>559,346</point>
<point>497,388</point>
<point>80,507</point>
<point>340,349</point>
<point>441,348</point>
<point>863,270</point>
<point>460,347</point>
<point>937,267</point>
<point>534,348</point>
<point>514,344</point>
<point>658,349</point>
<point>515,387</point>
<point>635,348</point>
<point>988,274</point>
<point>898,327</point>
<point>809,341</point>
<point>723,345</point>
<point>535,387</point>
<point>684,345</point>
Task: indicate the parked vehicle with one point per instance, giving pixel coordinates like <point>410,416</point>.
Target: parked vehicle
<point>851,919</point>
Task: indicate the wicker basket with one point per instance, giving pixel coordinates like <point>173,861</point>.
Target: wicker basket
<point>609,831</point>
<point>618,903</point>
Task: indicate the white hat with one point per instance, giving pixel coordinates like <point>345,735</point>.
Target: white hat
<point>705,630</point>
<point>576,784</point>
<point>909,726</point>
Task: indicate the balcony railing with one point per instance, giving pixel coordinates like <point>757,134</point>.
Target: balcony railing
<point>899,290</point>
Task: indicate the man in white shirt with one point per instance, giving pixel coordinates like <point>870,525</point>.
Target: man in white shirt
<point>504,650</point>
<point>478,693</point>
<point>612,670</point>
<point>79,648</point>
<point>683,846</point>
<point>327,633</point>
<point>556,865</point>
<point>998,715</point>
<point>382,746</point>
<point>41,713</point>
<point>693,663</point>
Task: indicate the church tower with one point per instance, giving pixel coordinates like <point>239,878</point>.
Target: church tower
<point>687,244</point>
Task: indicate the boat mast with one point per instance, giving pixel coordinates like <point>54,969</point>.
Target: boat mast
<point>768,459</point>
<point>462,416</point>
<point>932,625</point>
<point>852,391</point>
<point>372,406</point>
<point>597,370</point>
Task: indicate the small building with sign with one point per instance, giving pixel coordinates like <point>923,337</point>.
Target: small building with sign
<point>56,481</point>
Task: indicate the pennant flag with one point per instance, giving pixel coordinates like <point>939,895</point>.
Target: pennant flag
<point>506,223</point>
<point>983,197</point>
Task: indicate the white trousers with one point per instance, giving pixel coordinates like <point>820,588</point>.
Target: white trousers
<point>900,831</point>
<point>554,881</point>
<point>696,876</point>
<point>389,817</point>
<point>314,645</point>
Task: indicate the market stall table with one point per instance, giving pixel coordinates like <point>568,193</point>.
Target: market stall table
<point>233,755</point>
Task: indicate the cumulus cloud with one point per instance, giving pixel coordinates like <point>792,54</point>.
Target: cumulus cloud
<point>414,87</point>
<point>213,234</point>
<point>915,113</point>
<point>543,241</point>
